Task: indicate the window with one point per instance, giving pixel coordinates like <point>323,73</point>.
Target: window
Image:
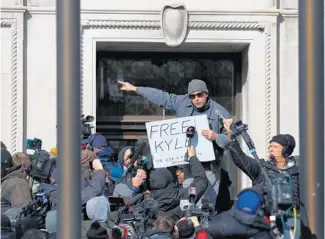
<point>122,115</point>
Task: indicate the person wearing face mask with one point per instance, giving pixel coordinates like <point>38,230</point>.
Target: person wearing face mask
<point>279,162</point>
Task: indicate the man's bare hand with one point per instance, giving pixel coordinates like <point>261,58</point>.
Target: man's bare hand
<point>227,124</point>
<point>126,86</point>
<point>191,151</point>
<point>97,165</point>
<point>195,221</point>
<point>146,194</point>
<point>209,134</point>
<point>139,178</point>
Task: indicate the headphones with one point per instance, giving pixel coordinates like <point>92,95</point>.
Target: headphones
<point>287,150</point>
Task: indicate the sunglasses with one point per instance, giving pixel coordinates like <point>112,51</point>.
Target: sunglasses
<point>199,95</point>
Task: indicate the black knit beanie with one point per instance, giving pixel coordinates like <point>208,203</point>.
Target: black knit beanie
<point>280,139</point>
<point>96,232</point>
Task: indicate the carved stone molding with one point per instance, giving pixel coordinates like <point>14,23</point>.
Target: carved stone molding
<point>264,28</point>
<point>225,25</point>
<point>268,85</point>
<point>81,68</point>
<point>155,25</point>
<point>12,24</point>
<point>121,24</point>
<point>6,23</point>
<point>174,22</point>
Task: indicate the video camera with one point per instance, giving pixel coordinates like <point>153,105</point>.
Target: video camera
<point>42,165</point>
<point>140,217</point>
<point>33,215</point>
<point>115,203</point>
<point>86,125</point>
<point>34,144</point>
<point>280,196</point>
<point>204,213</point>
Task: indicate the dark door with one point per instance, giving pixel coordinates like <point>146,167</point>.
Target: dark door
<point>122,116</point>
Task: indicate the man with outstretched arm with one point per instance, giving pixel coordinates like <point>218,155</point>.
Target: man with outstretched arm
<point>195,102</point>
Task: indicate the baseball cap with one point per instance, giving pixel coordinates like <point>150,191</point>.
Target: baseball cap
<point>96,141</point>
<point>248,201</point>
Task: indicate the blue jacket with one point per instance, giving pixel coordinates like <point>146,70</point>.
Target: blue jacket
<point>106,157</point>
<point>181,104</point>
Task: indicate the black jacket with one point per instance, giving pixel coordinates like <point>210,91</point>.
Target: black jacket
<point>252,169</point>
<point>168,193</point>
<point>238,225</point>
<point>200,179</point>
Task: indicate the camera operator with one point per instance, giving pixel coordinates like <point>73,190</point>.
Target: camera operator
<point>244,220</point>
<point>280,161</point>
<point>15,189</point>
<point>93,176</point>
<point>98,144</point>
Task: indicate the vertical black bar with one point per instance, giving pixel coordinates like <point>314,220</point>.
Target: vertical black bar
<point>311,115</point>
<point>68,118</point>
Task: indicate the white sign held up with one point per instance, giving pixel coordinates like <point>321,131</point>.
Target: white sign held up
<point>168,143</point>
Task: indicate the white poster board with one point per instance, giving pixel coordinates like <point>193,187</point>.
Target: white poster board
<point>168,142</point>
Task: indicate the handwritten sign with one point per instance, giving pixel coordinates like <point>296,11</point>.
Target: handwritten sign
<point>168,141</point>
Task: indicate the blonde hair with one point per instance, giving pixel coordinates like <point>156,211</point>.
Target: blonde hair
<point>21,159</point>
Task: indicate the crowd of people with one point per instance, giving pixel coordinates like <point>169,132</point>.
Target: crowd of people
<point>103,168</point>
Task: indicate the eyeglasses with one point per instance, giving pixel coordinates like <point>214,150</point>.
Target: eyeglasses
<point>199,95</point>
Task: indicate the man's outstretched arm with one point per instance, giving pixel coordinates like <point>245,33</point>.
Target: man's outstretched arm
<point>158,97</point>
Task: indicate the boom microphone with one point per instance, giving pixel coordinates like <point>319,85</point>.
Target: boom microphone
<point>135,157</point>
